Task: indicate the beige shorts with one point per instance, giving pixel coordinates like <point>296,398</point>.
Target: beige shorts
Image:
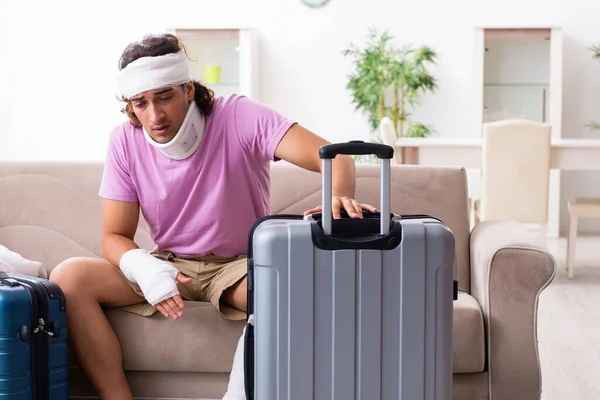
<point>211,276</point>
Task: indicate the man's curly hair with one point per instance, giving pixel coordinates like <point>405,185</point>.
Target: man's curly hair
<point>159,45</point>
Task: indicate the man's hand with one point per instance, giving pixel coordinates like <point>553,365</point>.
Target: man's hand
<point>173,306</point>
<point>352,207</point>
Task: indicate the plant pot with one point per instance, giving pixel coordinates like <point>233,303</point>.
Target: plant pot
<point>212,74</point>
<point>409,155</point>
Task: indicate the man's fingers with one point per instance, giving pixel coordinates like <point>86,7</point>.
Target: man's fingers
<point>179,301</point>
<point>171,307</point>
<point>368,207</point>
<point>335,208</point>
<point>357,208</point>
<point>183,279</point>
<point>167,308</point>
<point>160,308</point>
<point>312,211</point>
<point>352,207</point>
<point>174,307</point>
<point>348,206</point>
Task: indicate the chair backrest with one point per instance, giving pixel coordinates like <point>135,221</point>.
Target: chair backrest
<point>515,171</point>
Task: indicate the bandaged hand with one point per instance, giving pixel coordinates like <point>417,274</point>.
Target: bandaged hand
<point>173,306</point>
<point>156,278</point>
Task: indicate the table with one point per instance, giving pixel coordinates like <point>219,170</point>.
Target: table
<point>565,155</point>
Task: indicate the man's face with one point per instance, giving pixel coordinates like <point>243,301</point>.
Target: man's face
<point>162,111</point>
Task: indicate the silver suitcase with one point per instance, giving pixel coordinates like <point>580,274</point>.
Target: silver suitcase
<point>350,309</point>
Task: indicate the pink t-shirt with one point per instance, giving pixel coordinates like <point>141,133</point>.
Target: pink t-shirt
<point>206,203</point>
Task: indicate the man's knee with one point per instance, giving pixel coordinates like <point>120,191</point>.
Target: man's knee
<point>70,275</point>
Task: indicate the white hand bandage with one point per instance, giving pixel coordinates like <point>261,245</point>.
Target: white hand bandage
<point>155,277</point>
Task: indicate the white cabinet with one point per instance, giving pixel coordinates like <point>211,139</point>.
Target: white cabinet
<point>518,74</point>
<point>225,60</point>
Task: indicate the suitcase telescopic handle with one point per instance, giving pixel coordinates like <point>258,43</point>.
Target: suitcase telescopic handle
<point>356,147</point>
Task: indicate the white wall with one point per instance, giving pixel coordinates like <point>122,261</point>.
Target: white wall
<point>7,91</point>
<point>59,59</point>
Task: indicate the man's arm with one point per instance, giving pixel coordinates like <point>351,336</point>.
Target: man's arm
<point>156,278</point>
<point>119,224</point>
<point>300,147</point>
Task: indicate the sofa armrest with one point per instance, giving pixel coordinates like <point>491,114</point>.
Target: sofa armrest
<point>510,266</point>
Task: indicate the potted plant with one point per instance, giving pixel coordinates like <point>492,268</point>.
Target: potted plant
<point>386,81</point>
<point>593,125</point>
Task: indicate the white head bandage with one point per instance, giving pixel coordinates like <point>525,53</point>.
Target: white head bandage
<point>149,73</point>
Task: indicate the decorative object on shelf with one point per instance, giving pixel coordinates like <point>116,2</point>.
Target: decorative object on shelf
<point>594,125</point>
<point>212,74</point>
<point>224,59</point>
<point>314,3</point>
<point>381,71</point>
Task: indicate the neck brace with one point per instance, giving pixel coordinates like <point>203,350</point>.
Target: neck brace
<point>187,139</point>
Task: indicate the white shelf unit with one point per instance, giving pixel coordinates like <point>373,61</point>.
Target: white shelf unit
<point>516,74</point>
<point>232,49</point>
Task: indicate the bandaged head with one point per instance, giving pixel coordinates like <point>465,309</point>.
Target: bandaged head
<point>151,73</point>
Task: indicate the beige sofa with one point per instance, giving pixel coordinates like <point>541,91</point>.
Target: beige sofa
<point>51,211</point>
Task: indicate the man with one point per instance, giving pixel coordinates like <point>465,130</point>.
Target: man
<point>198,169</point>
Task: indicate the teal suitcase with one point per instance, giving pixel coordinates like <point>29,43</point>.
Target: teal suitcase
<point>33,339</point>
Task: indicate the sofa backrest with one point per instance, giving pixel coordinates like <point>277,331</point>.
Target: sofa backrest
<point>50,211</point>
<point>437,191</point>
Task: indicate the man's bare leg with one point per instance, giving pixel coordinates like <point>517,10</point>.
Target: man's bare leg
<point>235,297</point>
<point>87,284</point>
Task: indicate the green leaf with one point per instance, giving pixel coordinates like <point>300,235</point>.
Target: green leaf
<point>596,52</point>
<point>419,130</point>
<point>593,126</point>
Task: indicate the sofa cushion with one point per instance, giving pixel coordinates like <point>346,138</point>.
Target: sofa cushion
<point>203,341</point>
<point>468,336</point>
<point>200,341</point>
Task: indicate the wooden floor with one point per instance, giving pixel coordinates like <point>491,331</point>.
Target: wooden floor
<point>569,325</point>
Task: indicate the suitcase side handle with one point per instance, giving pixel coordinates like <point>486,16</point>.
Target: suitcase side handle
<point>5,279</point>
<point>384,152</point>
